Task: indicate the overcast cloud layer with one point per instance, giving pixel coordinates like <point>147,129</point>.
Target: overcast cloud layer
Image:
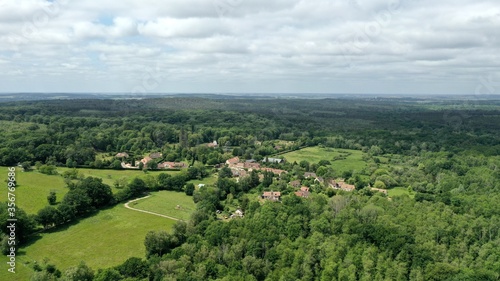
<point>248,46</point>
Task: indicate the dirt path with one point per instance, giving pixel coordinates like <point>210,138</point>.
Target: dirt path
<point>147,212</point>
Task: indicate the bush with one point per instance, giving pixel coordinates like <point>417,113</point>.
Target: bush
<point>48,169</point>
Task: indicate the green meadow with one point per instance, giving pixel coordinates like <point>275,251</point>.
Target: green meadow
<point>353,158</point>
<point>397,191</point>
<point>169,203</point>
<point>103,240</point>
<point>32,189</point>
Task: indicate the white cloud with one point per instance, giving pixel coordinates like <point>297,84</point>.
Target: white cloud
<point>394,46</point>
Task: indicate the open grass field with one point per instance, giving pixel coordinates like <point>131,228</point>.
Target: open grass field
<point>353,158</point>
<point>399,191</point>
<point>165,203</point>
<point>103,240</point>
<point>210,180</point>
<point>33,188</point>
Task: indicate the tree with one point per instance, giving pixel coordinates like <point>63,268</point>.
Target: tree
<point>134,267</point>
<point>117,165</point>
<point>152,165</point>
<point>25,224</point>
<point>375,150</point>
<point>78,200</point>
<point>379,184</point>
<point>137,186</point>
<point>66,213</point>
<point>48,169</point>
<point>48,216</point>
<point>79,273</point>
<point>108,274</point>
<point>254,179</point>
<point>26,166</point>
<point>304,165</point>
<point>189,189</point>
<point>164,181</point>
<point>120,183</point>
<point>159,243</point>
<point>268,179</point>
<point>52,198</point>
<point>225,172</point>
<point>324,163</point>
<point>99,193</point>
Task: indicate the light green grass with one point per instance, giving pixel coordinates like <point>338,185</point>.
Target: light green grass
<point>23,272</point>
<point>210,180</point>
<point>314,154</point>
<point>166,202</point>
<point>399,191</point>
<point>33,188</point>
<point>104,240</point>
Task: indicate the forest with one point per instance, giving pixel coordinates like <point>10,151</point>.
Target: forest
<point>437,163</point>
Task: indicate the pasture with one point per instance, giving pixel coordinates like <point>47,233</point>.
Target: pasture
<point>104,240</point>
<point>341,159</point>
<point>169,203</point>
<point>397,191</point>
<point>32,189</point>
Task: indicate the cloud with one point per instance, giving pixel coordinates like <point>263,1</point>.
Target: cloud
<point>372,46</point>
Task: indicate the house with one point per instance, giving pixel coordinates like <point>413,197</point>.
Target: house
<point>251,166</point>
<point>310,175</point>
<point>274,171</point>
<point>171,165</point>
<point>273,160</point>
<point>233,161</point>
<point>340,184</point>
<point>213,144</point>
<point>295,183</point>
<point>238,213</point>
<point>319,180</point>
<point>303,192</point>
<point>145,160</point>
<point>384,191</point>
<point>122,155</point>
<point>155,155</point>
<point>238,165</point>
<point>201,185</point>
<point>239,173</point>
<point>271,195</point>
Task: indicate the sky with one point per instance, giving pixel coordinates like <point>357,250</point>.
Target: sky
<point>251,46</point>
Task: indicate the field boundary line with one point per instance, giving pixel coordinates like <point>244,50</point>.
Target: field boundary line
<point>147,212</point>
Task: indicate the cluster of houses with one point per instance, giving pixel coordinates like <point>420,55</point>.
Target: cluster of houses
<point>147,159</point>
<point>243,168</point>
<point>304,191</point>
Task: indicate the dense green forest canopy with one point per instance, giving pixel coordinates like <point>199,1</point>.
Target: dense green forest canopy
<point>443,154</point>
<point>76,129</point>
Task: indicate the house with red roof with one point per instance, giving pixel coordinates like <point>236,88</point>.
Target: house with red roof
<point>341,184</point>
<point>271,195</point>
<point>303,192</point>
<point>233,161</point>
